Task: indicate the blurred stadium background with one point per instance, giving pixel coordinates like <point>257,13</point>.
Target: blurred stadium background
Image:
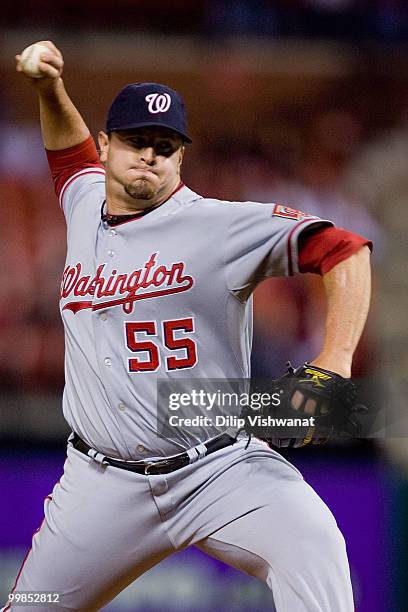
<point>299,101</point>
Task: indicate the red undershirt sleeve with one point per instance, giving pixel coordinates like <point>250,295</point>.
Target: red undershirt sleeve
<point>321,249</point>
<point>67,162</point>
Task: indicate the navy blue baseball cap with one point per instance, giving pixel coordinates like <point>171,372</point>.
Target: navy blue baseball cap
<point>145,104</point>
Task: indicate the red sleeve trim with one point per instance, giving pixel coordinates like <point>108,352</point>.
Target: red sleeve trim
<point>323,248</point>
<point>67,162</point>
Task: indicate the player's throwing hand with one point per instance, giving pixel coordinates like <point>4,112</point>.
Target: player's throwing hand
<point>40,63</point>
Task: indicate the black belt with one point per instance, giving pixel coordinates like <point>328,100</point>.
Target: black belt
<point>156,466</point>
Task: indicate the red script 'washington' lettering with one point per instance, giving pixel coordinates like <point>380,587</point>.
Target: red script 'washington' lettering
<point>159,280</point>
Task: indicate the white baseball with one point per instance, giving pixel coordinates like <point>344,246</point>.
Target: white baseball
<point>30,60</point>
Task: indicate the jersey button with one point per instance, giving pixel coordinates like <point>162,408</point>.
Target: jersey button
<point>107,361</point>
<point>140,448</point>
<point>111,253</point>
<point>104,316</point>
<point>122,406</point>
<point>112,232</point>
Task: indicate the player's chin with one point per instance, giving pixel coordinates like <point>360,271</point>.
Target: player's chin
<point>141,189</point>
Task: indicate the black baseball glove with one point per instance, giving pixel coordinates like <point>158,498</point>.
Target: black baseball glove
<point>315,405</point>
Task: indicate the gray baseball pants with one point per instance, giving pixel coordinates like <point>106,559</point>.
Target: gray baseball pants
<point>251,508</point>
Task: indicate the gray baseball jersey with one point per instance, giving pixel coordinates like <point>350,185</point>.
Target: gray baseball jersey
<point>167,295</point>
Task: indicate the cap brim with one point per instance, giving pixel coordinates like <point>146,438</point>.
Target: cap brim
<point>134,126</point>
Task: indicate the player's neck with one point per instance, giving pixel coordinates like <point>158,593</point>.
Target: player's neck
<point>123,204</point>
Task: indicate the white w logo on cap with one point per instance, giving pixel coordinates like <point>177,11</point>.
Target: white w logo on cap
<point>158,103</point>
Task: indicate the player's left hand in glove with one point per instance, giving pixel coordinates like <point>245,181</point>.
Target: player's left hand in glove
<point>305,392</point>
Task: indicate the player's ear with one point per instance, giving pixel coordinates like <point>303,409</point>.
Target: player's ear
<point>103,140</point>
<point>182,149</point>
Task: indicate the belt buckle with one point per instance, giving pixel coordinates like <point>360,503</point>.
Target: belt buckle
<point>153,464</point>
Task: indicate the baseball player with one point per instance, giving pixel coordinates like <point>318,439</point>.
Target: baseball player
<point>157,284</point>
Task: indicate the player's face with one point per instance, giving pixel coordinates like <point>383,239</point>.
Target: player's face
<point>142,165</point>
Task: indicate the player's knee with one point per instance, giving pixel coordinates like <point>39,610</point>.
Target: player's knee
<point>323,542</point>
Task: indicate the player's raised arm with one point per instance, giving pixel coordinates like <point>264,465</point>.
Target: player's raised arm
<point>61,124</point>
<point>70,149</point>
